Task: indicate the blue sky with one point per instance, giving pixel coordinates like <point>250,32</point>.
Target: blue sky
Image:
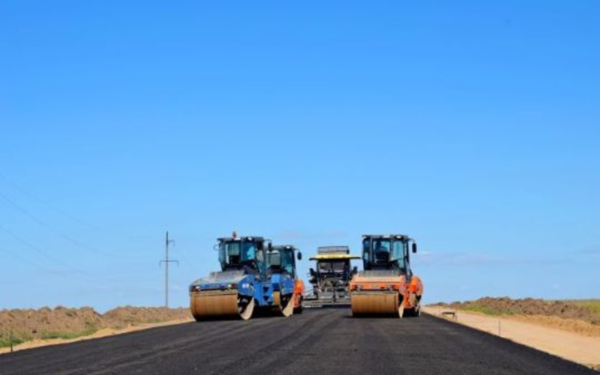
<point>472,126</point>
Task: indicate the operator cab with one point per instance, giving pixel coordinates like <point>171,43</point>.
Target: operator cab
<point>239,252</point>
<point>338,269</point>
<point>334,268</point>
<point>280,259</point>
<point>387,252</point>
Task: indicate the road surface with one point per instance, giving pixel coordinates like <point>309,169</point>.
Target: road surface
<point>326,341</point>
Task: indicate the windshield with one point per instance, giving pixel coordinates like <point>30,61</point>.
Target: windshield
<point>331,267</point>
<point>399,250</point>
<point>281,259</point>
<point>382,251</point>
<point>274,259</point>
<point>237,252</point>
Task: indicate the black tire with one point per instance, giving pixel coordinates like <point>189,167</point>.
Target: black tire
<point>413,313</point>
<point>298,310</point>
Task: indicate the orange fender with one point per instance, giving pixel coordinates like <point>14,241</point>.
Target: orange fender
<point>299,287</point>
<point>298,293</point>
<point>416,286</point>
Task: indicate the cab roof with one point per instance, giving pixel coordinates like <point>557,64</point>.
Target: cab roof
<point>334,257</point>
<point>242,238</point>
<point>333,250</point>
<point>386,236</point>
<point>284,247</point>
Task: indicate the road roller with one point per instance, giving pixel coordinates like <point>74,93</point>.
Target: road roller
<point>387,285</point>
<point>244,283</point>
<point>281,265</point>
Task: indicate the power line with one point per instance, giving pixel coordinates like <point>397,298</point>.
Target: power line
<point>24,260</point>
<point>51,229</point>
<point>60,211</point>
<point>30,246</point>
<point>45,203</point>
<point>46,255</point>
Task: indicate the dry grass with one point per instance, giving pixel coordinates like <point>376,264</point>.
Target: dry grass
<point>22,325</point>
<point>592,305</point>
<point>583,310</point>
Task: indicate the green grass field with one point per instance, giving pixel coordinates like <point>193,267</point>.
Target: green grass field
<point>5,342</point>
<point>67,336</point>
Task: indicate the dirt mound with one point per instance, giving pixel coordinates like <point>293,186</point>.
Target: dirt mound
<point>529,307</point>
<point>61,322</point>
<point>129,316</point>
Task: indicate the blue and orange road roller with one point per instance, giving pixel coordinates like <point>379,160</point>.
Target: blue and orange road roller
<point>253,275</point>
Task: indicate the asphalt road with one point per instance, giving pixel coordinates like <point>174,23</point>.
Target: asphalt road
<point>327,341</point>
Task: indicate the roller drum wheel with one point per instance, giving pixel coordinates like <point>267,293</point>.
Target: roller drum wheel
<point>283,304</point>
<point>374,304</point>
<point>221,306</point>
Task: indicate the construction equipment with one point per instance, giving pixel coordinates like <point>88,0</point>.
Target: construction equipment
<point>331,278</point>
<point>387,284</point>
<point>243,283</point>
<point>281,263</point>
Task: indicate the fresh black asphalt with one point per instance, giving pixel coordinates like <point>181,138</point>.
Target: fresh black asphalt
<point>326,341</point>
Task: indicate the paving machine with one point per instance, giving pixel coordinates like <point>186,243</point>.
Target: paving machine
<point>331,276</point>
<point>387,284</point>
<point>243,283</point>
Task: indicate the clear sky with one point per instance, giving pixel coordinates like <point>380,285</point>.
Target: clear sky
<point>472,126</point>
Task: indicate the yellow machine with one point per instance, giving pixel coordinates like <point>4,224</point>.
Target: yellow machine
<point>331,278</point>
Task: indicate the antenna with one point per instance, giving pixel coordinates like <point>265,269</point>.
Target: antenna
<point>166,261</point>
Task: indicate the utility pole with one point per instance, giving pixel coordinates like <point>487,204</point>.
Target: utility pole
<point>166,261</point>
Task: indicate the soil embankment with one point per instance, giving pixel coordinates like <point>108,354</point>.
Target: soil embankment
<point>584,310</point>
<point>23,325</point>
<point>578,316</point>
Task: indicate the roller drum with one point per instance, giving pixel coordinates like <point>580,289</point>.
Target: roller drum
<point>210,306</point>
<point>283,304</point>
<point>377,303</point>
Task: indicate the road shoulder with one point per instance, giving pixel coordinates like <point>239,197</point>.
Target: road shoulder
<point>571,346</point>
<point>99,334</point>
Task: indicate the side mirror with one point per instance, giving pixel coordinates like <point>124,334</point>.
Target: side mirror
<point>299,255</point>
<point>270,247</point>
<point>354,270</point>
<point>414,247</point>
